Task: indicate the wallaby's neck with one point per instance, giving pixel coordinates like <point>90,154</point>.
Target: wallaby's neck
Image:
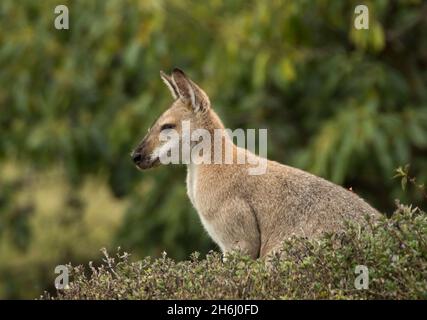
<point>212,123</point>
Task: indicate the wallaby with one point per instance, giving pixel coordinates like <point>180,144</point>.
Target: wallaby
<point>250,213</point>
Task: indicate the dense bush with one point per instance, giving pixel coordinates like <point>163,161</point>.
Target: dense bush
<point>394,250</point>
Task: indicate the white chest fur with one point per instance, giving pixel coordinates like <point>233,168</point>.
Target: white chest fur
<point>192,183</point>
<point>192,194</point>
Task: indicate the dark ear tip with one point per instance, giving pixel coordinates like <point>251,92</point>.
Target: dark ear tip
<point>178,70</point>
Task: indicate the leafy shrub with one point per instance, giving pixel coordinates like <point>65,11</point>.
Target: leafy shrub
<point>394,250</point>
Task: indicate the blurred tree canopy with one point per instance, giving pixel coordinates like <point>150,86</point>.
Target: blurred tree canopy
<point>348,105</point>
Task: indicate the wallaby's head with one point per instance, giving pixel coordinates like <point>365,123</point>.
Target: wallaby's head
<point>190,104</point>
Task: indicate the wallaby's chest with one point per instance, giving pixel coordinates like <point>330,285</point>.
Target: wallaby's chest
<point>191,182</point>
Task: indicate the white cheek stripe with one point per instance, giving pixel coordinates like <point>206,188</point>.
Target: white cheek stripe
<point>159,151</point>
<point>162,150</point>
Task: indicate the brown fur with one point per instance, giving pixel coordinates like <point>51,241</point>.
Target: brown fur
<point>252,213</point>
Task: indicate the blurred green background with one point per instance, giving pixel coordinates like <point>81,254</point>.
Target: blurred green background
<point>344,104</point>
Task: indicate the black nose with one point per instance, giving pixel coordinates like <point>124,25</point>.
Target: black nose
<point>136,157</point>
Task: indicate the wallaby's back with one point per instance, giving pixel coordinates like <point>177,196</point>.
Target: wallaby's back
<point>288,201</point>
<point>261,211</point>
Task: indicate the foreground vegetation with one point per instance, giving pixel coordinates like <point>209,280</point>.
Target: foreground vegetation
<point>394,250</point>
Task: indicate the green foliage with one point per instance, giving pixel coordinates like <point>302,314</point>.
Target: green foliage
<point>394,250</point>
<point>44,223</point>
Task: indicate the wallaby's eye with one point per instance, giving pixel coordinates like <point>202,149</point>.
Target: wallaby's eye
<point>167,126</point>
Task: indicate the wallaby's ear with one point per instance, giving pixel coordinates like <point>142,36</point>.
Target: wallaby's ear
<point>189,91</point>
<point>169,83</point>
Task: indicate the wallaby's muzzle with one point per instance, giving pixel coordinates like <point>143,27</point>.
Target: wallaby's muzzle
<point>142,159</point>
